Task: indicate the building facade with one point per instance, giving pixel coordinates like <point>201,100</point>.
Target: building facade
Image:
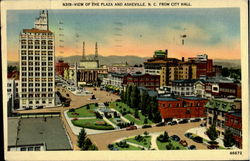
<point>182,107</point>
<point>114,79</point>
<point>222,89</point>
<point>37,52</point>
<point>204,65</point>
<point>183,87</point>
<point>233,122</point>
<point>142,80</point>
<point>217,110</point>
<point>61,66</point>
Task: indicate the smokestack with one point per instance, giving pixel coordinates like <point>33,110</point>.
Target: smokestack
<point>83,51</point>
<point>182,59</point>
<point>166,53</point>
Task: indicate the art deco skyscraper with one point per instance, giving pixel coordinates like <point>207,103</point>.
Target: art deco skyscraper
<point>36,55</point>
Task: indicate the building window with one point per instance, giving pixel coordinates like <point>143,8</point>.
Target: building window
<point>43,42</point>
<point>24,95</point>
<point>30,47</point>
<point>43,68</point>
<point>24,85</point>
<point>23,46</point>
<point>30,89</point>
<point>30,74</point>
<point>37,68</point>
<point>50,58</point>
<point>37,74</point>
<point>43,89</point>
<point>37,90</point>
<point>30,84</point>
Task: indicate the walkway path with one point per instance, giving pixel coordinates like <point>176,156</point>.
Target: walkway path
<point>153,140</point>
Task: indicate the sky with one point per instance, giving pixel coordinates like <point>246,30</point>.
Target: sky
<point>137,32</point>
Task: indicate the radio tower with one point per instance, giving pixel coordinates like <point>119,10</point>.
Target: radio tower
<point>83,51</point>
<point>96,52</point>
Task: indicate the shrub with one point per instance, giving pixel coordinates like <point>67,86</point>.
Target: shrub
<point>72,110</point>
<point>88,106</point>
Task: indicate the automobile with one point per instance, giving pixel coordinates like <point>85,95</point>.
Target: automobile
<point>213,146</point>
<point>173,123</point>
<point>146,126</point>
<point>192,147</point>
<point>203,124</point>
<point>198,139</point>
<point>183,121</point>
<point>184,143</point>
<point>39,107</point>
<point>189,135</point>
<point>175,138</point>
<point>161,124</point>
<point>196,120</point>
<point>114,149</point>
<point>131,128</point>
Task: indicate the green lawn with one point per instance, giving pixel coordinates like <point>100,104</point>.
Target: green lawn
<point>162,145</point>
<point>130,117</point>
<point>91,124</point>
<point>129,148</point>
<point>83,112</point>
<point>145,143</point>
<point>205,140</point>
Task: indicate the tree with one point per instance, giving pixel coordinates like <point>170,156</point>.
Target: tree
<point>228,139</point>
<point>225,72</point>
<point>143,102</point>
<point>146,133</point>
<point>81,138</point>
<point>136,114</point>
<point>212,133</point>
<point>128,95</point>
<point>135,97</point>
<point>145,121</point>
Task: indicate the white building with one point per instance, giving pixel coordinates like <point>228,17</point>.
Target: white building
<point>36,55</point>
<point>12,91</point>
<point>199,88</point>
<point>114,79</point>
<point>183,87</point>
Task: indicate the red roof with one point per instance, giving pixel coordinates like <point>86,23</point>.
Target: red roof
<point>34,30</point>
<point>14,74</point>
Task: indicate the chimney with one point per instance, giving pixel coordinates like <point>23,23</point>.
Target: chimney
<point>166,53</point>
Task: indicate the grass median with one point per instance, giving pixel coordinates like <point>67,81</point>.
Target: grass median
<point>96,124</point>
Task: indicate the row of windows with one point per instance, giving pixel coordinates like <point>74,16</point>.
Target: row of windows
<point>50,74</point>
<point>37,63</point>
<point>36,47</point>
<point>43,42</point>
<point>31,52</point>
<point>32,84</point>
<point>37,95</point>
<point>37,89</point>
<point>43,58</point>
<point>36,102</point>
<point>38,79</point>
<point>37,68</point>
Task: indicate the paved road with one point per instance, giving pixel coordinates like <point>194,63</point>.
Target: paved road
<point>102,140</point>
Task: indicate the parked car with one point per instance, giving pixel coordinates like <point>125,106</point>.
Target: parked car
<point>213,146</point>
<point>183,143</point>
<point>131,128</point>
<point>146,126</point>
<point>175,138</point>
<point>183,121</point>
<point>161,124</point>
<point>196,120</point>
<point>192,147</point>
<point>114,149</point>
<point>173,123</point>
<point>198,139</point>
<point>189,135</point>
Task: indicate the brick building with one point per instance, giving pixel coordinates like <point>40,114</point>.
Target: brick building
<point>233,122</point>
<point>183,107</point>
<point>142,80</point>
<point>204,65</point>
<point>221,89</point>
<point>61,66</point>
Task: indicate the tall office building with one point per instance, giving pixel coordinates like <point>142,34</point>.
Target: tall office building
<point>37,52</point>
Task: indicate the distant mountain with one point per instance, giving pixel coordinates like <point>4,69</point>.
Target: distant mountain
<point>107,60</point>
<point>234,63</point>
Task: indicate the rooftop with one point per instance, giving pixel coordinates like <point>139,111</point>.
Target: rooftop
<point>34,30</point>
<point>167,99</point>
<point>37,131</point>
<point>193,98</point>
<point>186,81</point>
